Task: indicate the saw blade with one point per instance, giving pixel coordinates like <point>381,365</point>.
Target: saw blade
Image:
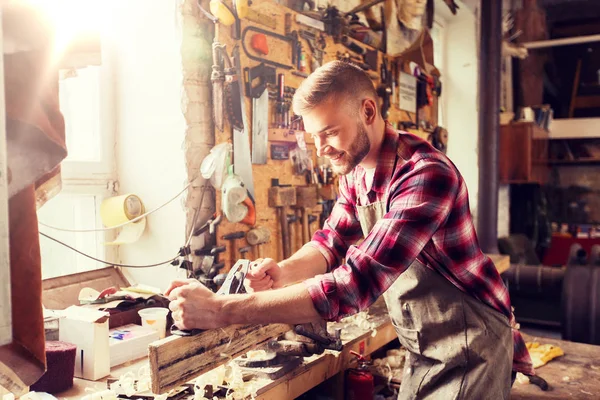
<point>242,164</point>
<point>260,132</point>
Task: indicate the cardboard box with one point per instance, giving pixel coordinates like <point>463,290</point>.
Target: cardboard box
<point>130,342</point>
<point>88,330</point>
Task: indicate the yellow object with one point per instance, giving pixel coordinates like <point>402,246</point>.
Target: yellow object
<point>542,353</point>
<point>221,12</point>
<point>241,8</point>
<point>118,210</point>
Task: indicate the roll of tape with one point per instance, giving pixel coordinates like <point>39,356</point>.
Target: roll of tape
<point>120,209</point>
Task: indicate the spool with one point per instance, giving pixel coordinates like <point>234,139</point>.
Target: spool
<point>60,360</point>
<point>118,210</point>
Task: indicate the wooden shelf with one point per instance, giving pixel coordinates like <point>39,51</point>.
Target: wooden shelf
<point>580,161</point>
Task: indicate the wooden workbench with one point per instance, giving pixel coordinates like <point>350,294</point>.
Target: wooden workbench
<point>576,375</point>
<point>313,370</point>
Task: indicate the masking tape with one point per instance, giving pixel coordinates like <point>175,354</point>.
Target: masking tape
<point>120,209</point>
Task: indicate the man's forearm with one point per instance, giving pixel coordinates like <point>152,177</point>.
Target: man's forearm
<point>303,264</point>
<point>289,305</point>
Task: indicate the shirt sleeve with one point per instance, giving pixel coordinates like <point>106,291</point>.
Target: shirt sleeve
<point>340,230</point>
<point>419,203</point>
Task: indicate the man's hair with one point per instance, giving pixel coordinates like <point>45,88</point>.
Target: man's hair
<point>333,80</point>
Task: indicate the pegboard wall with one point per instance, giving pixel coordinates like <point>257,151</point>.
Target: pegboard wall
<point>272,17</point>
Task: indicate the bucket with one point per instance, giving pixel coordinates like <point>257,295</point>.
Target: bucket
<point>155,318</point>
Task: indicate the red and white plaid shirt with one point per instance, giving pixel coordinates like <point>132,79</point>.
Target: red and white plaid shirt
<point>428,209</point>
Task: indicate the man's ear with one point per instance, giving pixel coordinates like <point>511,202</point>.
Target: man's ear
<point>369,111</point>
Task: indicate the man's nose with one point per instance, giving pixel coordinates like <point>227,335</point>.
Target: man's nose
<point>320,147</point>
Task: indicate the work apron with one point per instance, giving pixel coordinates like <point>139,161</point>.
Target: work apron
<point>457,347</point>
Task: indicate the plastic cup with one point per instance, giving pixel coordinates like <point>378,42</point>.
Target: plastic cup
<point>155,318</point>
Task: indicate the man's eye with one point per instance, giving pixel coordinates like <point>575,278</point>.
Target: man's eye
<point>331,133</point>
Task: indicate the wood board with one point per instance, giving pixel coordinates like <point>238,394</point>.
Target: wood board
<point>576,375</point>
<point>176,360</point>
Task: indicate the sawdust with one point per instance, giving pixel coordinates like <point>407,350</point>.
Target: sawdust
<point>360,320</point>
<point>230,376</point>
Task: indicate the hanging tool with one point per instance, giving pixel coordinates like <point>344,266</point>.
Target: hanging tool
<point>217,77</point>
<point>255,29</point>
<point>260,128</point>
<point>242,163</point>
<point>234,283</point>
<point>231,238</point>
<point>264,74</point>
<point>281,198</point>
<point>280,106</point>
<point>317,44</point>
<point>258,42</point>
<point>352,46</point>
<point>261,18</point>
<point>257,237</point>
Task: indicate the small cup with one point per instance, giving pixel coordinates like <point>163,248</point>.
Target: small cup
<point>155,318</point>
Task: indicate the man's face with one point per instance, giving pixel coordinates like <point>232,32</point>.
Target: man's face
<point>339,135</point>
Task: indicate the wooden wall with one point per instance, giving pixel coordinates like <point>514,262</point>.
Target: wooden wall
<point>282,170</point>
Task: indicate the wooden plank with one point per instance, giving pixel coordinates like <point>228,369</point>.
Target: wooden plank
<point>576,375</point>
<point>501,261</point>
<point>176,360</point>
<point>5,299</point>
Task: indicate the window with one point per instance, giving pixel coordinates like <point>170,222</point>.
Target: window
<point>88,174</point>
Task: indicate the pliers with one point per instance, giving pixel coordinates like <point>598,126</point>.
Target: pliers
<point>234,283</point>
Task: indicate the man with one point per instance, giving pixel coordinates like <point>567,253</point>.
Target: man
<point>445,298</point>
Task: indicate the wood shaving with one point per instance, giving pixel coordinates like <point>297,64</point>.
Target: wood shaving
<point>258,355</point>
<point>361,320</point>
<point>392,365</point>
<point>522,379</point>
<point>230,376</point>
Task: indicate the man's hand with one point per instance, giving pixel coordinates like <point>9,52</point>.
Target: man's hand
<point>194,306</point>
<point>264,274</point>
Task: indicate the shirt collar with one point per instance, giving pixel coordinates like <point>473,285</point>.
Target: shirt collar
<point>386,161</point>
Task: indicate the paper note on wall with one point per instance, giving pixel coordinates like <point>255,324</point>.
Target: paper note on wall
<point>118,210</point>
<point>408,93</point>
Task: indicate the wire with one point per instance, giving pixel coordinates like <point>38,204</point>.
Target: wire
<point>124,223</point>
<point>195,219</point>
<point>110,263</point>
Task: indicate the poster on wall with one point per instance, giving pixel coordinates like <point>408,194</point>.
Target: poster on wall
<point>407,100</point>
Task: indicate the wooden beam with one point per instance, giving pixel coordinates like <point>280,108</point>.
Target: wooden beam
<point>561,42</point>
<point>176,360</point>
<point>5,298</point>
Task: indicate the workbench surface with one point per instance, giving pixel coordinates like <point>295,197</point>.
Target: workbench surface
<point>313,370</point>
<point>576,375</point>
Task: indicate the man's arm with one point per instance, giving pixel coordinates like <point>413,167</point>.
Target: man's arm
<point>420,203</point>
<point>291,305</point>
<point>323,253</point>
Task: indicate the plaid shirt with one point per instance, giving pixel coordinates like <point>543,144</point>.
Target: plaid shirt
<point>428,209</point>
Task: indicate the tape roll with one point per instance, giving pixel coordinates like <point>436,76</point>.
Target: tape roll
<point>120,209</point>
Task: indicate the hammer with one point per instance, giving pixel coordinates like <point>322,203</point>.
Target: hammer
<point>232,237</point>
<point>257,237</point>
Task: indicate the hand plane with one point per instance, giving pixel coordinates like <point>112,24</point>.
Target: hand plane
<point>234,283</point>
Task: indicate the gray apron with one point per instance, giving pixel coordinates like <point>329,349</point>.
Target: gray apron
<point>457,347</point>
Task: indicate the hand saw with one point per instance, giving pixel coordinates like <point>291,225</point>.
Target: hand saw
<point>242,164</point>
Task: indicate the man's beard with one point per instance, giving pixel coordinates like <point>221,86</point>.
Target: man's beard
<point>356,153</point>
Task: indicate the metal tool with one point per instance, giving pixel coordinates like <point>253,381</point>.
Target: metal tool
<point>317,44</point>
<point>260,128</point>
<point>242,163</point>
<point>232,237</point>
<point>262,73</point>
<point>233,284</point>
<point>268,34</point>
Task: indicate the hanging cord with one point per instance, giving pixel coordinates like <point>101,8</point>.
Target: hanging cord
<point>124,223</point>
<point>189,239</point>
<point>111,263</point>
